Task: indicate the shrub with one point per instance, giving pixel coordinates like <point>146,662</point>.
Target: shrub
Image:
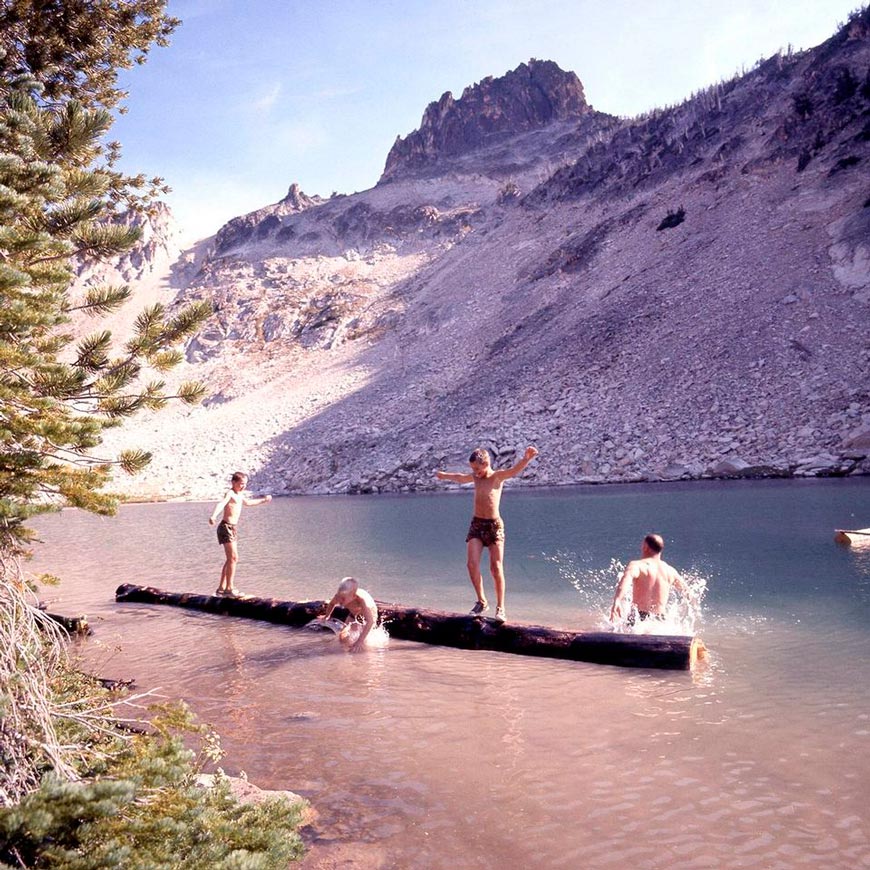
<point>845,86</point>
<point>139,807</point>
<point>672,219</point>
<point>845,163</point>
<point>803,106</point>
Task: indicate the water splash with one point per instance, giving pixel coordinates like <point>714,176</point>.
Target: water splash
<point>377,638</point>
<point>596,585</point>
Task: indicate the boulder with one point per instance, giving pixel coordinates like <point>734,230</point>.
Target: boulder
<point>858,439</point>
<point>728,467</point>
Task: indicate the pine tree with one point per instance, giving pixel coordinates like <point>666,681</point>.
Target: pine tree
<point>58,192</point>
<point>58,189</point>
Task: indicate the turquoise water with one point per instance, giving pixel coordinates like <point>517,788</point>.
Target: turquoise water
<point>426,757</point>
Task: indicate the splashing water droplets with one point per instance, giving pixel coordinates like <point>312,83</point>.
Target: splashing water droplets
<point>596,585</point>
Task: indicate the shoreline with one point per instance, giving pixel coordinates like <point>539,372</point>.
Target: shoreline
<point>582,483</point>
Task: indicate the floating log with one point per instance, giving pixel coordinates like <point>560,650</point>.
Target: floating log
<point>73,624</point>
<point>115,685</point>
<point>852,536</point>
<point>676,652</point>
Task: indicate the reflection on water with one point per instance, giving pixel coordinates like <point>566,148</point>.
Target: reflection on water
<point>418,756</point>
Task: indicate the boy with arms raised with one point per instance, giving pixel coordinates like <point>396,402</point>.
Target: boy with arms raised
<point>487,528</point>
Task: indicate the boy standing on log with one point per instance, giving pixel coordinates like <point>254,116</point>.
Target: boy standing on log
<point>487,528</point>
<point>227,535</point>
<point>643,590</point>
<point>360,606</point>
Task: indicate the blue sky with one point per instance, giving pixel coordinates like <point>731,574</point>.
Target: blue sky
<point>252,96</point>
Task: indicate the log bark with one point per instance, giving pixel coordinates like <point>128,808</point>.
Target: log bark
<point>676,652</point>
<point>73,624</point>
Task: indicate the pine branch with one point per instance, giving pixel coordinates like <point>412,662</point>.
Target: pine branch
<point>93,351</point>
<point>103,300</point>
<point>190,392</point>
<point>134,460</point>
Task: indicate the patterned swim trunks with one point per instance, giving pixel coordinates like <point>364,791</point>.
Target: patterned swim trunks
<point>226,532</point>
<point>489,531</point>
<point>642,616</point>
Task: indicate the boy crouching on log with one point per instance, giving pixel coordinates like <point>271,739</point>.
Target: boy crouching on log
<point>362,613</point>
<point>231,507</point>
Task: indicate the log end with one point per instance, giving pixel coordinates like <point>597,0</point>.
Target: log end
<point>73,624</point>
<point>697,652</point>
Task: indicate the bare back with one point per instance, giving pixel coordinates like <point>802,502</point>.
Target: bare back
<point>651,584</point>
<point>362,604</point>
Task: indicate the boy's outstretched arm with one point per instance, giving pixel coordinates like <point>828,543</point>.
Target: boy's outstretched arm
<point>454,477</point>
<point>514,470</point>
<point>252,502</point>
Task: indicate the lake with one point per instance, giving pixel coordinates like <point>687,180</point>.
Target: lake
<point>419,756</point>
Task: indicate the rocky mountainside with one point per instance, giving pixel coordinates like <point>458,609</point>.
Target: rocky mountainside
<point>146,269</point>
<point>681,295</point>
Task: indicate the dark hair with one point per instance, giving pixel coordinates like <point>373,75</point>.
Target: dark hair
<point>239,476</point>
<point>478,455</point>
<point>655,543</point>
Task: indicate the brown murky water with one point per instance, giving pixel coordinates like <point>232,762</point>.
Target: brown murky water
<point>423,757</point>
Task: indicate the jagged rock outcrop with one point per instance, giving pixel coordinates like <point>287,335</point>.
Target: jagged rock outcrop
<point>262,222</point>
<point>530,97</point>
<point>683,295</point>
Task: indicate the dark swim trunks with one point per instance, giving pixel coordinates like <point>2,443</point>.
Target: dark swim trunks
<point>226,532</point>
<point>488,531</point>
<point>643,615</point>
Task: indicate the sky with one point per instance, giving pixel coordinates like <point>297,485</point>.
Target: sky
<point>253,96</point>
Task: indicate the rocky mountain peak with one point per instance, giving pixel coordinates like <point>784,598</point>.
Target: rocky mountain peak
<point>529,97</point>
<point>296,200</point>
<point>263,221</point>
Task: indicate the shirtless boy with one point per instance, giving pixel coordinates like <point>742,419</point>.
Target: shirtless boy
<point>231,506</point>
<point>362,610</point>
<point>646,584</point>
<point>487,528</point>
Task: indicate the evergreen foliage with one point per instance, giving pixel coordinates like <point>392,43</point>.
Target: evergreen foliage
<point>57,192</point>
<point>76,790</point>
<point>74,48</point>
<point>138,806</point>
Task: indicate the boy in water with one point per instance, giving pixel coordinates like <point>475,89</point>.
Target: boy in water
<point>360,606</point>
<point>487,528</point>
<point>231,506</point>
<point>643,590</point>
